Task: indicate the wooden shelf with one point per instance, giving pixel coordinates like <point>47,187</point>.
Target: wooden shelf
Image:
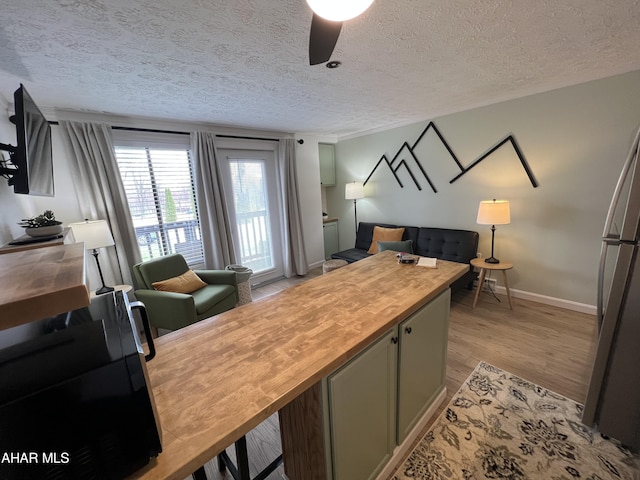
<point>8,248</point>
<point>40,283</point>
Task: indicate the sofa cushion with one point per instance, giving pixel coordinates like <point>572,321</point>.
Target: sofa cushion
<point>186,283</point>
<point>447,244</point>
<point>159,268</point>
<point>411,233</point>
<point>404,246</point>
<point>209,296</point>
<point>364,235</point>
<point>382,234</point>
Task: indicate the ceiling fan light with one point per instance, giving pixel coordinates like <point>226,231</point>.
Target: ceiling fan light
<point>339,10</point>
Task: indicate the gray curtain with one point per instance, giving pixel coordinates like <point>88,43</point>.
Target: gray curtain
<point>295,256</point>
<point>102,196</point>
<point>215,224</point>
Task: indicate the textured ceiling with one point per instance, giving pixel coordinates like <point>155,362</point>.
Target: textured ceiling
<point>245,62</point>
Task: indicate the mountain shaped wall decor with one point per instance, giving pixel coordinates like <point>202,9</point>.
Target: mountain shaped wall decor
<point>393,167</point>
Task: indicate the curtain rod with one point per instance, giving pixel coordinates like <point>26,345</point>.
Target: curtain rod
<point>150,130</point>
<point>249,138</point>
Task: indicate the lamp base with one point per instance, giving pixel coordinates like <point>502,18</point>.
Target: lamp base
<point>491,260</point>
<point>103,290</point>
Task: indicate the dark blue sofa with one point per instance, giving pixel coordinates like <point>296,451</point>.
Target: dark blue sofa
<point>444,243</point>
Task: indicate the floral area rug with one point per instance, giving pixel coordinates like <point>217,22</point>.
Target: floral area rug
<point>500,426</point>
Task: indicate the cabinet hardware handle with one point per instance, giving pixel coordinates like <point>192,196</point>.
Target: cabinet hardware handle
<point>408,330</point>
<point>394,340</point>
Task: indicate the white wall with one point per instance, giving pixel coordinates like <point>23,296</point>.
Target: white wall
<point>66,204</point>
<point>308,163</point>
<point>575,140</point>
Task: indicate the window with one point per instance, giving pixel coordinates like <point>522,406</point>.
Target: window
<point>158,180</point>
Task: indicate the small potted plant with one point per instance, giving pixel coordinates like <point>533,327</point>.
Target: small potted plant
<point>42,225</point>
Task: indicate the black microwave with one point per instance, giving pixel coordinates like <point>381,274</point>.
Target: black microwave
<point>75,398</point>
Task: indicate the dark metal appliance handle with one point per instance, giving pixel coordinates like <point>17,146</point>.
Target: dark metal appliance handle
<point>147,329</point>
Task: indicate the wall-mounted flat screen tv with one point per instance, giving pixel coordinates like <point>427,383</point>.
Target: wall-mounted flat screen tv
<point>33,155</point>
<point>34,139</point>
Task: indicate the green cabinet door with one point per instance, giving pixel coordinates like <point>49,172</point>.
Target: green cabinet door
<point>327,164</point>
<point>362,411</point>
<point>331,239</point>
<point>422,361</point>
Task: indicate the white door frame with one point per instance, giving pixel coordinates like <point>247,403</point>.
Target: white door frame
<point>274,204</point>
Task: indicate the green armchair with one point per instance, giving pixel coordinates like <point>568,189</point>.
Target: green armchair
<point>171,310</point>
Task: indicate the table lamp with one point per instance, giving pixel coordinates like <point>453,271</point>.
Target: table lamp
<point>95,234</point>
<point>354,191</point>
<point>493,212</point>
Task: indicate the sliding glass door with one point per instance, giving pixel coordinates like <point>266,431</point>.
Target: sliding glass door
<point>254,202</point>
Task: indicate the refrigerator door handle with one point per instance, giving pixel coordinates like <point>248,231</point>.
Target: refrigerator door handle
<point>619,186</point>
<point>600,300</point>
<point>606,243</point>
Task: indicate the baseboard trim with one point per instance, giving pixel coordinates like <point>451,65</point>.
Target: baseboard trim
<point>553,301</point>
<point>316,264</point>
<point>401,450</point>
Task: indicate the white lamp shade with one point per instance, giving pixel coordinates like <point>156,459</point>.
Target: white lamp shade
<point>94,234</point>
<point>354,191</point>
<point>339,10</point>
<point>494,212</point>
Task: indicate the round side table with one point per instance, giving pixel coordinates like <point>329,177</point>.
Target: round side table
<point>484,266</point>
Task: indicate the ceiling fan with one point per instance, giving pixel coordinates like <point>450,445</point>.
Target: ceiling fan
<point>326,24</point>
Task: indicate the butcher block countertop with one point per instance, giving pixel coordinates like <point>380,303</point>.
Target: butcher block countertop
<point>40,283</point>
<point>216,380</point>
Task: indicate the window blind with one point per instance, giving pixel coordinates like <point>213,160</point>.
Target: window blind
<point>158,181</point>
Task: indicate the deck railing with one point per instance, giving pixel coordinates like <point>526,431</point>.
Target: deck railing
<point>172,237</point>
<point>184,237</point>
<point>255,240</point>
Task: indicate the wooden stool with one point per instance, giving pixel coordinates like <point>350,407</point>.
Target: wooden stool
<point>333,265</point>
<point>484,266</point>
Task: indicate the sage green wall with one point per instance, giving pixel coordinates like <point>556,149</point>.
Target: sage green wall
<point>575,140</point>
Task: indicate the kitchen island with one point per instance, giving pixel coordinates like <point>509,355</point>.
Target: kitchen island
<point>216,380</point>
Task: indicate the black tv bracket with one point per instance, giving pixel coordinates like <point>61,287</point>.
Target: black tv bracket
<point>6,171</point>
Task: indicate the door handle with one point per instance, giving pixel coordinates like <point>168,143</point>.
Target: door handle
<point>407,330</point>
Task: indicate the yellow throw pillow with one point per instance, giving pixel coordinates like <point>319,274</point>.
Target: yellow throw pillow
<point>186,283</point>
<point>382,234</point>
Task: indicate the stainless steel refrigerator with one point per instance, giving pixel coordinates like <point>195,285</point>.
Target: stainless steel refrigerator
<point>613,399</point>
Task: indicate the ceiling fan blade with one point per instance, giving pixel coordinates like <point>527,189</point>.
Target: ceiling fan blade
<point>322,39</point>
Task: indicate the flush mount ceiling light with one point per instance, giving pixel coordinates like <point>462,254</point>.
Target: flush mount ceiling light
<point>339,10</point>
<point>328,16</point>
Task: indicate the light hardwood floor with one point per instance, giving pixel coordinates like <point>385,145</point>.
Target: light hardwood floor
<point>550,346</point>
